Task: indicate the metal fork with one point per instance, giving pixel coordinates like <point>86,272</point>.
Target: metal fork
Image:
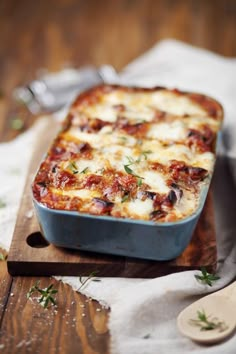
<point>52,91</point>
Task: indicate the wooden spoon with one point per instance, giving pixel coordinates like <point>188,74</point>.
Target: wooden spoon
<point>218,307</point>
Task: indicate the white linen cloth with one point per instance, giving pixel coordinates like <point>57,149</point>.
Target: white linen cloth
<point>144,311</point>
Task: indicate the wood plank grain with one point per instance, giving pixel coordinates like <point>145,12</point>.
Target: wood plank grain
<point>75,325</point>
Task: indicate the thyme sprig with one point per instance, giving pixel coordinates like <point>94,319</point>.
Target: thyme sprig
<point>73,167</point>
<point>206,278</point>
<point>133,162</point>
<point>47,294</point>
<point>144,154</point>
<point>90,277</point>
<point>206,323</point>
<point>142,157</point>
<point>85,170</point>
<point>131,172</point>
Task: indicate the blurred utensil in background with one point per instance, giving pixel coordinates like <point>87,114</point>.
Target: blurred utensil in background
<point>52,91</point>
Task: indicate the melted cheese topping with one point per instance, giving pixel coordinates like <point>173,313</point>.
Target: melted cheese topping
<point>156,182</point>
<point>175,131</point>
<point>140,154</point>
<point>143,105</point>
<point>177,105</point>
<point>139,208</point>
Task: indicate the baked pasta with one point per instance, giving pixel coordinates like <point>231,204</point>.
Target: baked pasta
<point>133,153</point>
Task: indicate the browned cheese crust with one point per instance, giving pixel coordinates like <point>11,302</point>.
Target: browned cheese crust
<point>133,153</point>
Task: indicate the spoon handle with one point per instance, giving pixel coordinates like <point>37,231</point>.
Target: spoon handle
<point>230,291</point>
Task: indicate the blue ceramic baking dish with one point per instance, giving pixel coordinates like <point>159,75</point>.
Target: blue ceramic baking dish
<point>95,231</point>
<point>125,237</point>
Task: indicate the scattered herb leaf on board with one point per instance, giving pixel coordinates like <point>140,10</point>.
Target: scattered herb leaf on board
<point>46,295</point>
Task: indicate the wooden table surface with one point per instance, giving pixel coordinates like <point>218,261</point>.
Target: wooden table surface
<point>54,33</point>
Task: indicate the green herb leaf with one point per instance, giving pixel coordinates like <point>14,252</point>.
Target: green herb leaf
<point>101,170</point>
<point>130,160</point>
<point>17,123</point>
<point>131,172</point>
<point>140,182</point>
<point>145,153</point>
<point>123,138</point>
<point>84,170</point>
<point>125,198</point>
<point>128,170</point>
<point>206,278</point>
<point>206,323</point>
<point>47,294</point>
<point>2,204</point>
<point>91,275</point>
<point>73,167</point>
<point>33,289</point>
<point>3,257</point>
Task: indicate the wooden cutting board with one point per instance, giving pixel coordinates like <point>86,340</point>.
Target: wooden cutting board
<point>31,255</point>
